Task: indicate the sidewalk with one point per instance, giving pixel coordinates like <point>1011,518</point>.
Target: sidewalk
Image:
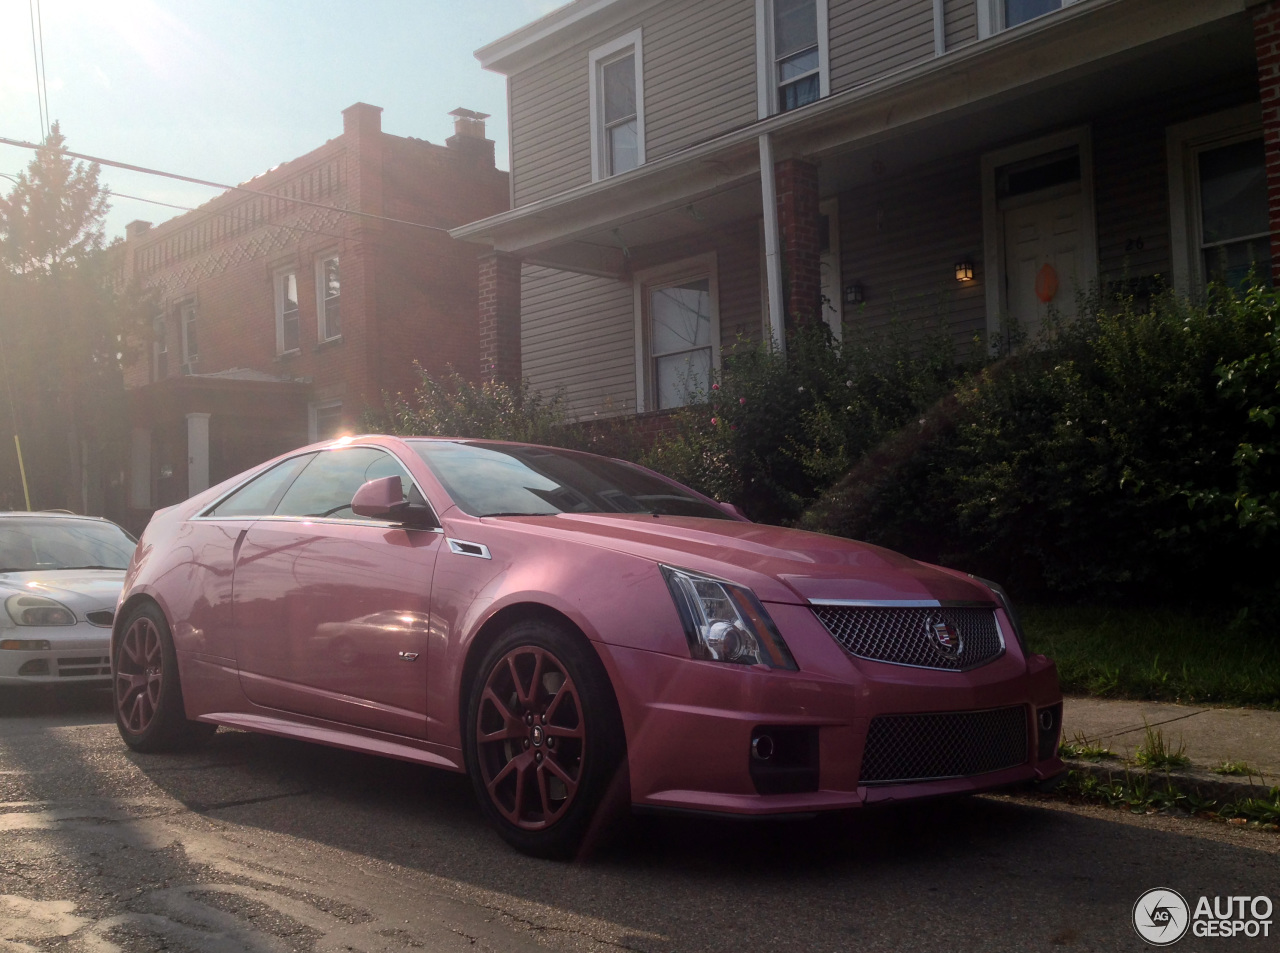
<point>1211,736</point>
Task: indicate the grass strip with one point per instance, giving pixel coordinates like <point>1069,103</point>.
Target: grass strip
<point>1157,654</point>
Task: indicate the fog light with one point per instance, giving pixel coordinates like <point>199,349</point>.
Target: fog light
<point>37,666</point>
<point>762,747</point>
<point>1048,723</point>
<point>25,645</point>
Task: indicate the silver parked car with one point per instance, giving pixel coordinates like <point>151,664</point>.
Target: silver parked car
<point>60,579</point>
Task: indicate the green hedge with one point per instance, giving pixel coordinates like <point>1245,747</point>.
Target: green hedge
<point>1132,452</point>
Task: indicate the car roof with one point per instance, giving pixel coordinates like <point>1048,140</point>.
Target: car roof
<point>51,514</point>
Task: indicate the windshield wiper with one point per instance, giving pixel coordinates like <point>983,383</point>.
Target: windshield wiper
<point>554,513</point>
<point>66,568</point>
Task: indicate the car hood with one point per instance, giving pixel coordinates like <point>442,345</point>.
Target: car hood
<point>781,565</point>
<point>81,590</point>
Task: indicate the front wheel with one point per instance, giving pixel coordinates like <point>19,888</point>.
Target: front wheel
<point>148,696</point>
<point>543,737</point>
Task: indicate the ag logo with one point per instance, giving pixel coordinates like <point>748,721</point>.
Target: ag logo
<point>1161,916</point>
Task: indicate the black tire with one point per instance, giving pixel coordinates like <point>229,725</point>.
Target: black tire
<point>530,731</point>
<point>146,692</point>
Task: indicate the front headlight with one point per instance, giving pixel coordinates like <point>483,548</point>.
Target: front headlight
<point>724,622</point>
<point>1007,605</point>
<point>26,609</point>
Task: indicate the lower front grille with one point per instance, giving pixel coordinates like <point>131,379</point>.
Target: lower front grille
<point>930,747</point>
<point>81,667</point>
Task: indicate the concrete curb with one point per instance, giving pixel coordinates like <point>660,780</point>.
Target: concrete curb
<point>1204,784</point>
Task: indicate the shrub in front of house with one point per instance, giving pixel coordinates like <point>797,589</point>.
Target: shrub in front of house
<point>1133,452</point>
<point>772,433</point>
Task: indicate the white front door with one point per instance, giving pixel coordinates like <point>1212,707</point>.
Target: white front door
<point>1042,260</point>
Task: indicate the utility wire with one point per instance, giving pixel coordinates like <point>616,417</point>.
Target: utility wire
<point>44,80</point>
<point>35,62</point>
<point>219,185</point>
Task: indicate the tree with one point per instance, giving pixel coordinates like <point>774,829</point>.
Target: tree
<point>63,306</point>
<point>53,217</point>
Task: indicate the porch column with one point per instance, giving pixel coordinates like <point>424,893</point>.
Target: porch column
<point>197,453</point>
<point>797,183</point>
<point>500,318</point>
<point>1266,42</point>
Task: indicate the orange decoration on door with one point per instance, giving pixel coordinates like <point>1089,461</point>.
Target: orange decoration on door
<point>1046,283</point>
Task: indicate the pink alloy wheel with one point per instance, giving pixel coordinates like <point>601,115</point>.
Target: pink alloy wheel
<point>530,737</point>
<point>139,675</point>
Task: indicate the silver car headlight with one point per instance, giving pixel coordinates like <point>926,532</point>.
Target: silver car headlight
<point>724,622</point>
<point>1007,605</point>
<point>25,609</point>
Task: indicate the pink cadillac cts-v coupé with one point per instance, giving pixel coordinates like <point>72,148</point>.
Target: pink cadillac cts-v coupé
<point>559,625</point>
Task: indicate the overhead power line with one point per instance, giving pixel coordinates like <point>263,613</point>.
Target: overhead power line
<point>37,61</point>
<point>21,144</point>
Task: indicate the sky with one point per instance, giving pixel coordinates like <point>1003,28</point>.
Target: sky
<point>224,90</point>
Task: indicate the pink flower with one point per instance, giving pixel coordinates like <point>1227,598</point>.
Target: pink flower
<point>714,421</point>
<point>715,386</point>
<point>742,400</point>
<point>733,426</point>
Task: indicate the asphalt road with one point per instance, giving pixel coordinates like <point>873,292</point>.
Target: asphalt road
<point>260,844</point>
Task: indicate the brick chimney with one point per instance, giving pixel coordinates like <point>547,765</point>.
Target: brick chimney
<point>136,229</point>
<point>361,119</point>
<point>468,136</point>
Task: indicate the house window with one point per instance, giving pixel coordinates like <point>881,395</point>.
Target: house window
<point>791,54</point>
<point>1235,229</point>
<point>325,419</point>
<point>617,106</point>
<point>190,340</point>
<point>159,348</point>
<point>328,295</point>
<point>287,336</point>
<point>680,333</point>
<point>997,15</point>
<point>1221,230</point>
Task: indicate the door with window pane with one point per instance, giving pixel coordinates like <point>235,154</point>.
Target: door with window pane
<point>1235,231</point>
<point>681,341</point>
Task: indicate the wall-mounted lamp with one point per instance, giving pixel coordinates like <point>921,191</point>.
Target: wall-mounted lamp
<point>964,270</point>
<point>853,293</point>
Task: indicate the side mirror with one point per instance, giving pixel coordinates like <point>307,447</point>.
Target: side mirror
<point>384,500</point>
<point>732,510</point>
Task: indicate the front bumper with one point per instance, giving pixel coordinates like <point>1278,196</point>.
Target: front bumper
<point>691,724</point>
<point>78,653</point>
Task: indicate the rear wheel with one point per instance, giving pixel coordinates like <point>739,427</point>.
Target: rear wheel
<point>148,696</point>
<point>543,737</point>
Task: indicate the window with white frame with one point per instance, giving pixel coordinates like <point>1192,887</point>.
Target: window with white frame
<point>288,337</point>
<point>1221,228</point>
<point>159,348</point>
<point>190,338</point>
<point>325,419</point>
<point>678,333</point>
<point>791,54</point>
<point>617,106</point>
<point>328,298</point>
<point>997,15</point>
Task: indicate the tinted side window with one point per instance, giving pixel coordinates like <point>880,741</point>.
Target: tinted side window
<point>258,498</point>
<point>326,486</point>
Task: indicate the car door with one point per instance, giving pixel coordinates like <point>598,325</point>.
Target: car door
<point>332,610</point>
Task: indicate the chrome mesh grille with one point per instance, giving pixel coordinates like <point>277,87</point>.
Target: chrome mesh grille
<point>901,635</point>
<point>943,745</point>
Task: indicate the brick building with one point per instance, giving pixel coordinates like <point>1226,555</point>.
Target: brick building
<point>290,306</point>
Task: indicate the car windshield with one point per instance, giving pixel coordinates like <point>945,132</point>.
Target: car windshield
<point>493,479</point>
<point>36,543</point>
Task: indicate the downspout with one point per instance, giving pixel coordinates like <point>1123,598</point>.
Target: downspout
<point>772,260</point>
<point>939,27</point>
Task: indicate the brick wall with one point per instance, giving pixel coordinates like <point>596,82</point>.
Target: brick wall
<point>1266,41</point>
<point>797,184</point>
<point>407,293</point>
